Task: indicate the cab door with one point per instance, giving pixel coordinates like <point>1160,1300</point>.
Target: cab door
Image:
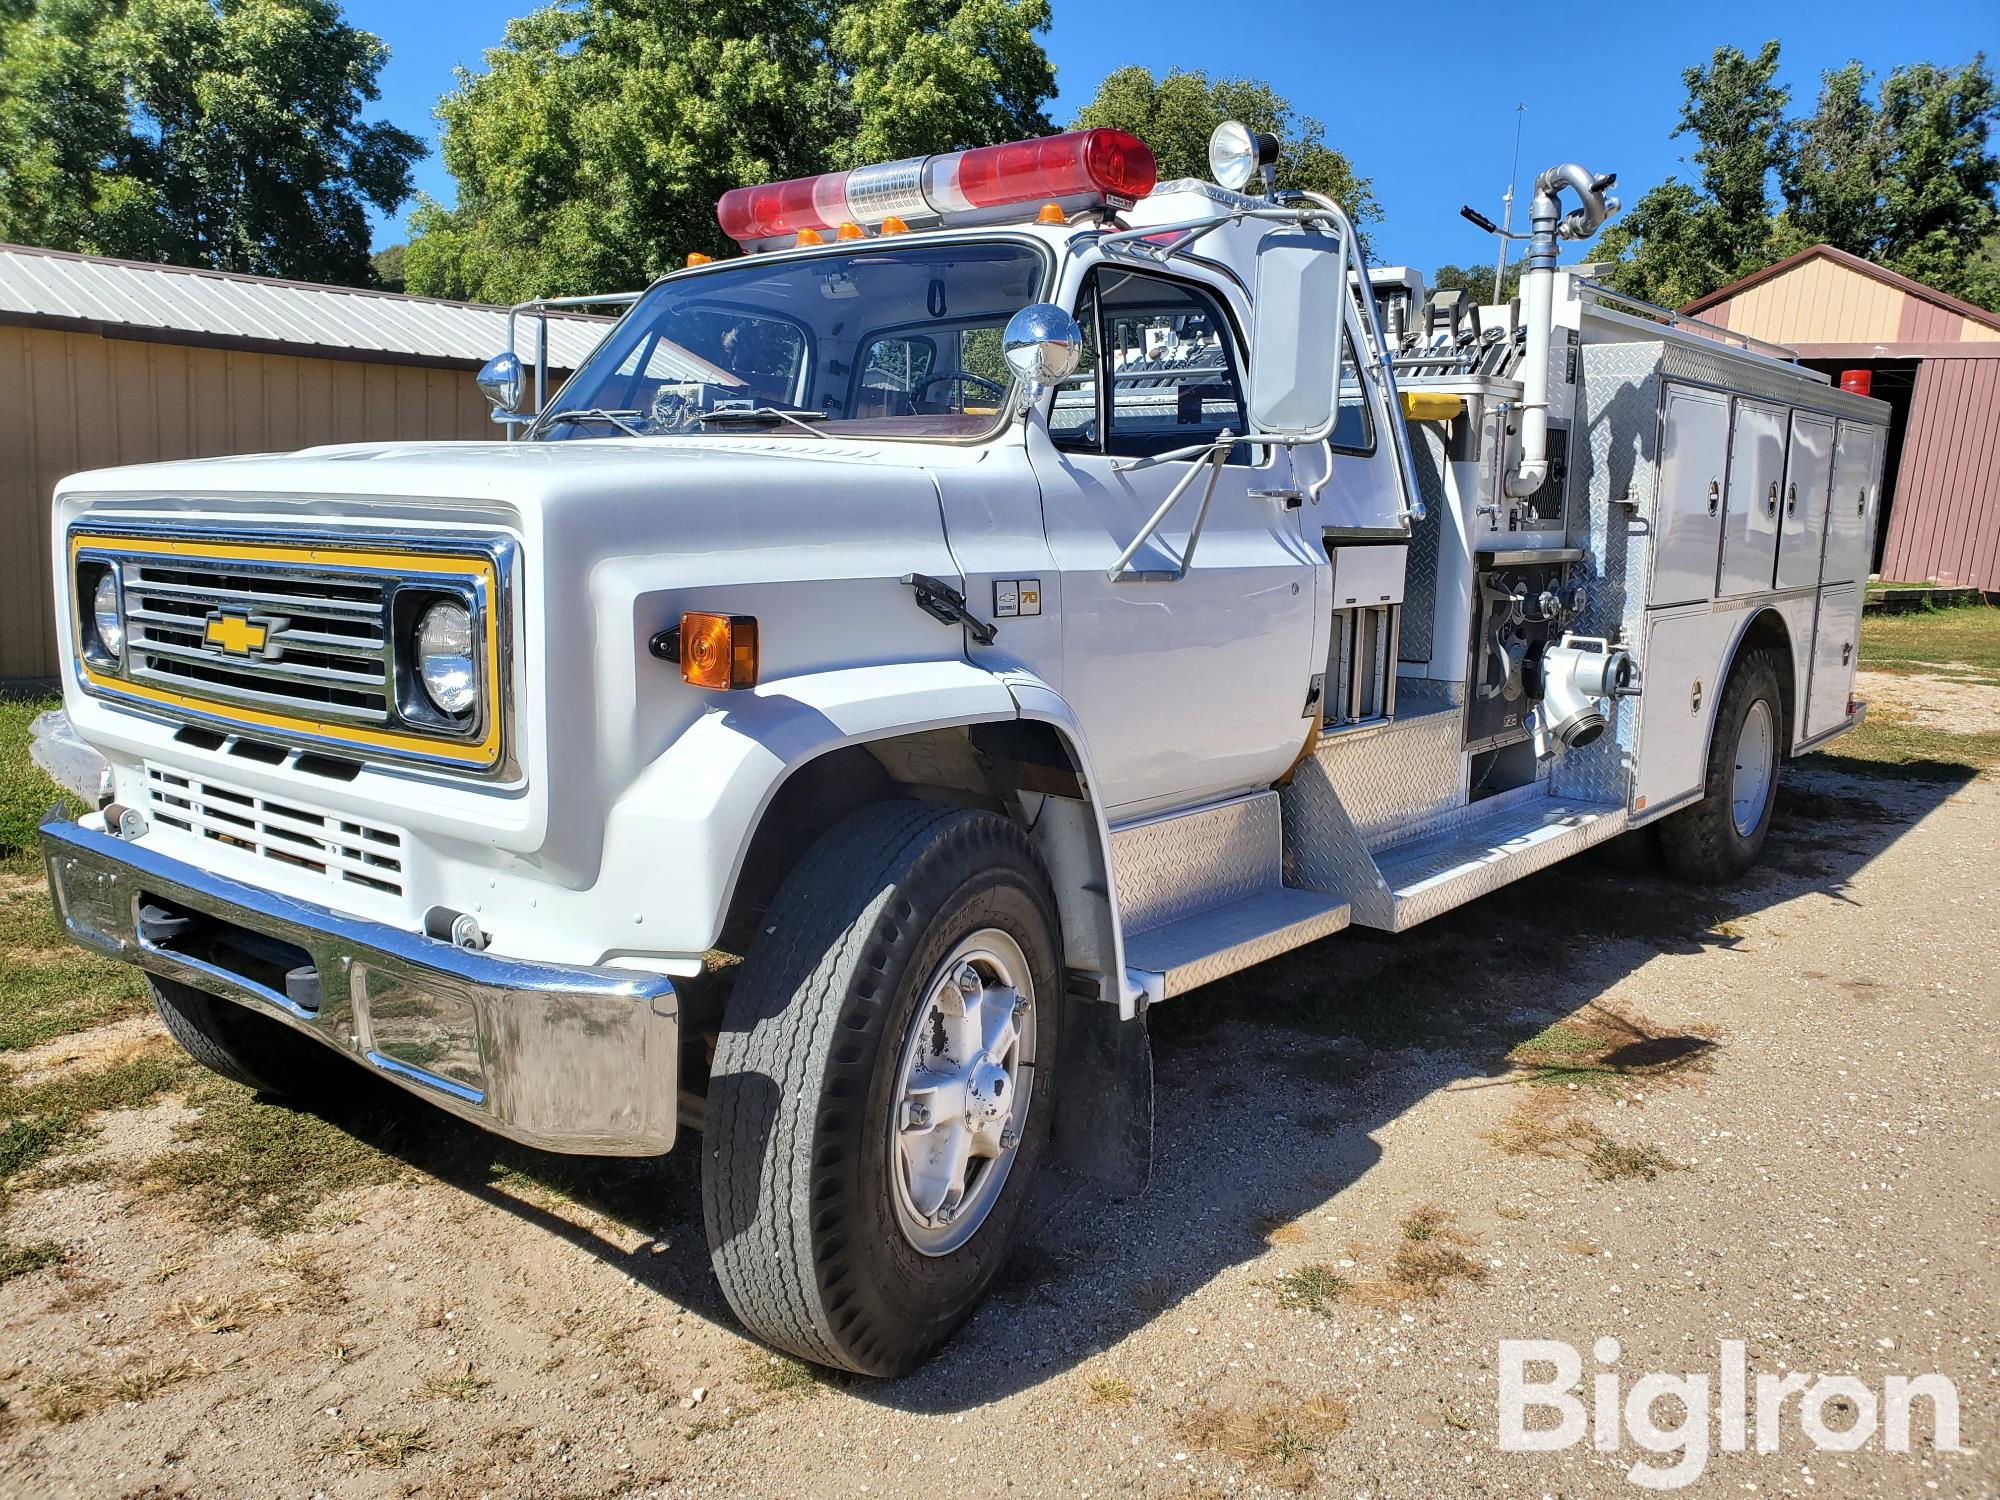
<point>1191,676</point>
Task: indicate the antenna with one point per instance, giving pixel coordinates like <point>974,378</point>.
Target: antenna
<point>1507,218</point>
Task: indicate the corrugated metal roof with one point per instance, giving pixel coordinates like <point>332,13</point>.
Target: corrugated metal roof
<point>65,287</point>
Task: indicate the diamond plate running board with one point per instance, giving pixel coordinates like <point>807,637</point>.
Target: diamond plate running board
<point>1427,877</point>
<point>1181,955</point>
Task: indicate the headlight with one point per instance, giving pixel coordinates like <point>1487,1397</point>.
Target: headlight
<point>106,614</point>
<point>444,658</point>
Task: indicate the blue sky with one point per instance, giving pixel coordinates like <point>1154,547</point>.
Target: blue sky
<point>1421,98</point>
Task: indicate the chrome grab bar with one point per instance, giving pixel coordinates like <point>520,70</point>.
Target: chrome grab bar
<point>1218,452</point>
<point>539,308</point>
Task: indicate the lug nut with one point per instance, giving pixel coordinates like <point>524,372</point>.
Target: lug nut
<point>919,1113</point>
<point>968,980</point>
<point>1009,1138</point>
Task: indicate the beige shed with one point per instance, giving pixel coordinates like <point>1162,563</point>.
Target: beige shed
<point>108,362</point>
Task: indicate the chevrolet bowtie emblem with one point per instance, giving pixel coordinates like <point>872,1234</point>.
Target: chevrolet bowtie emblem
<point>239,635</point>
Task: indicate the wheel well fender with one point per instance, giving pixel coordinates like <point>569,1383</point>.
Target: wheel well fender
<point>745,792</point>
<point>1764,630</point>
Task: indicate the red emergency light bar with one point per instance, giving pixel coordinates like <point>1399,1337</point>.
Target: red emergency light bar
<point>1080,169</point>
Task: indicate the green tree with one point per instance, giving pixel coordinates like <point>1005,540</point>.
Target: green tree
<point>1476,282</point>
<point>223,133</point>
<point>1938,177</point>
<point>591,152</point>
<point>1831,177</point>
<point>1175,115</point>
<point>1678,236</point>
<point>385,268</point>
<point>1906,180</point>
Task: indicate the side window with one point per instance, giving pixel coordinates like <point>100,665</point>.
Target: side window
<point>893,371</point>
<point>1173,376</point>
<point>1073,418</point>
<point>1354,428</point>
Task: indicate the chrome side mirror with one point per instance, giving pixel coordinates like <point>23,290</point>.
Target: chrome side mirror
<point>504,383</point>
<point>1043,344</point>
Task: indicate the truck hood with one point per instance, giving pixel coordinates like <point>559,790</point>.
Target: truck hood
<point>520,475</point>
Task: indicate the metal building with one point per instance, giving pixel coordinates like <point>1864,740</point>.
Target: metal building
<point>1935,360</point>
<point>107,362</point>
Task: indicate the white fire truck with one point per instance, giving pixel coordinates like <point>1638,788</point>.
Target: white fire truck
<point>1010,596</point>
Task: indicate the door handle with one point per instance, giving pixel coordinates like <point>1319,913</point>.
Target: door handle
<point>1861,503</point>
<point>1714,496</point>
<point>1846,651</point>
<point>1771,498</point>
<point>1291,497</point>
<point>1792,500</point>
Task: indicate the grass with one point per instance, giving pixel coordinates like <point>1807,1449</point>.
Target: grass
<point>1312,1288</point>
<point>1276,1439</point>
<point>1960,641</point>
<point>780,1375</point>
<point>460,1385</point>
<point>1108,1391</point>
<point>26,794</point>
<point>1962,644</point>
<point>53,1114</point>
<point>1602,1048</point>
<point>50,987</point>
<point>380,1450</point>
<point>244,1160</point>
<point>1897,744</point>
<point>1543,1126</point>
<point>25,1259</point>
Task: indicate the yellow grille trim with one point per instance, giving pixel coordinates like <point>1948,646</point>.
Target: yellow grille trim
<point>485,754</point>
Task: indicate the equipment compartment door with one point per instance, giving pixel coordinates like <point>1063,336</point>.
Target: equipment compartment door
<point>1687,511</point>
<point>1836,644</point>
<point>1683,663</point>
<point>1849,533</point>
<point>1808,467</point>
<point>1750,511</point>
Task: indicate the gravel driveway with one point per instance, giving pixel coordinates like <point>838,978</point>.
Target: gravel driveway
<point>1595,1104</point>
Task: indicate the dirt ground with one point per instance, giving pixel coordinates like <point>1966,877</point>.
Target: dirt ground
<point>1597,1103</point>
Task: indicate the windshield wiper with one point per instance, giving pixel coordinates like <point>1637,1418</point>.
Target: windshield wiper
<point>798,417</point>
<point>622,420</point>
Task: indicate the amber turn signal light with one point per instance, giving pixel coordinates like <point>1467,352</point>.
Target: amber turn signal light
<point>718,651</point>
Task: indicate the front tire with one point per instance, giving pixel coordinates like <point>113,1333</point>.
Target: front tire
<point>1721,836</point>
<point>883,1086</point>
<point>235,1041</point>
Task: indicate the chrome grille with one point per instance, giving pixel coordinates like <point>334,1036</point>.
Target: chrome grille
<point>325,651</point>
<point>333,845</point>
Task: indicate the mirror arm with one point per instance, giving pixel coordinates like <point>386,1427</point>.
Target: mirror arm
<point>1218,452</point>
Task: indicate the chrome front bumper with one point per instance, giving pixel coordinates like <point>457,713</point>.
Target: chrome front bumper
<point>567,1059</point>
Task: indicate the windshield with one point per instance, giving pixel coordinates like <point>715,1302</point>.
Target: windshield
<point>891,342</point>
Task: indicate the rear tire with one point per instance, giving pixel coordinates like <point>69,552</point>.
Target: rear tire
<point>1721,836</point>
<point>235,1041</point>
<point>829,1230</point>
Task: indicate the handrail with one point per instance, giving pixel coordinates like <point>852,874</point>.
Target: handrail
<point>540,307</point>
<point>1160,242</point>
<point>1597,291</point>
<point>1117,573</point>
<point>1387,397</point>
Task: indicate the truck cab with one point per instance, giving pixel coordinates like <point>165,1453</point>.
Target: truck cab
<point>1011,595</point>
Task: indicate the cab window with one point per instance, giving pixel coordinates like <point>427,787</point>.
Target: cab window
<point>1163,373</point>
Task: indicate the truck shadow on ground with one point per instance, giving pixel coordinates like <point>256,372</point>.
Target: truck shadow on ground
<point>1269,1086</point>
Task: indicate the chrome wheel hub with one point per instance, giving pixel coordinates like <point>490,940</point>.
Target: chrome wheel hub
<point>1756,764</point>
<point>963,1082</point>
